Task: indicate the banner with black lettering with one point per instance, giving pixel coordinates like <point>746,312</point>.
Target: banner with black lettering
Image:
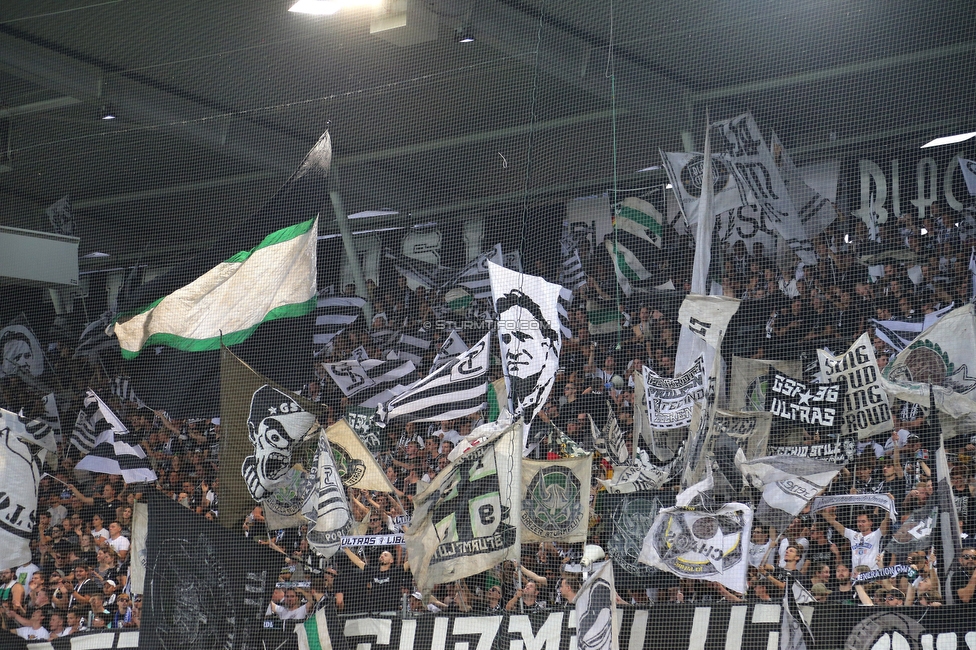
<point>750,378</point>
<point>556,499</point>
<point>206,586</point>
<point>753,625</point>
<point>812,407</point>
<point>749,429</point>
<point>756,173</point>
<point>699,544</point>
<point>839,452</point>
<point>468,517</point>
<point>708,316</point>
<point>670,401</point>
<point>23,447</point>
<point>866,409</point>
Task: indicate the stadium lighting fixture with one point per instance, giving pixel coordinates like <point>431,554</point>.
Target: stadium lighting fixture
<point>669,186</point>
<point>328,7</point>
<point>652,168</point>
<point>464,35</point>
<point>949,139</point>
<point>107,113</point>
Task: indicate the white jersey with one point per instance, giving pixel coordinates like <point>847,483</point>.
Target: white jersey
<point>865,549</point>
<point>757,552</point>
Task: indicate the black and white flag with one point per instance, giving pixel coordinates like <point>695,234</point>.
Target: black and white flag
<point>696,543</point>
<point>23,446</point>
<point>456,389</point>
<point>468,518</point>
<point>788,484</point>
<point>795,631</point>
<point>94,338</point>
<point>814,210</point>
<point>899,334</point>
<point>332,513</point>
<point>367,383</point>
<point>451,348</point>
<point>685,171</point>
<point>412,348</point>
<point>670,400</point>
<point>122,388</point>
<point>63,219</point>
<point>113,454</point>
<point>968,168</point>
<point>94,418</point>
<point>817,407</point>
<point>597,627</point>
<point>529,336</point>
<point>756,173</point>
<point>334,314</point>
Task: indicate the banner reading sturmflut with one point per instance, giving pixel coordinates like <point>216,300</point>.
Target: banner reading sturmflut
<point>556,499</point>
<point>467,519</point>
<point>670,401</point>
<point>866,410</point>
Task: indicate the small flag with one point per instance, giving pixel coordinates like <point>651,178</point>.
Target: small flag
<point>93,419</point>
<point>313,634</point>
<point>334,314</point>
<point>968,168</point>
<point>113,454</point>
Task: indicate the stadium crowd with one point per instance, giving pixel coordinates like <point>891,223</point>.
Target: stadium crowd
<point>78,578</point>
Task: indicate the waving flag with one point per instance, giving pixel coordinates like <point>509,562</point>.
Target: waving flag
<point>556,499</point>
<point>114,449</point>
<point>468,518</point>
<point>186,384</point>
<point>529,335</point>
<point>596,608</point>
<point>454,390</point>
<point>93,419</point>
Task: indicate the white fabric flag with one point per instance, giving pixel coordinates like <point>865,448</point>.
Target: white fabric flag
<point>702,545</point>
<point>468,517</point>
<point>556,499</point>
<point>686,172</point>
<point>866,409</point>
<point>332,513</point>
<point>597,626</point>
<point>968,168</point>
<point>707,316</point>
<point>756,172</point>
<point>944,356</point>
<point>788,483</point>
<point>21,456</point>
<point>138,554</point>
<point>529,336</point>
<point>814,211</point>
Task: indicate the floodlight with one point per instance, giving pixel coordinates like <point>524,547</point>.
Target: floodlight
<point>949,139</point>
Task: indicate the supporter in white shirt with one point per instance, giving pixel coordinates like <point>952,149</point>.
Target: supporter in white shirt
<point>865,542</point>
<point>289,609</point>
<point>759,544</point>
<point>117,541</point>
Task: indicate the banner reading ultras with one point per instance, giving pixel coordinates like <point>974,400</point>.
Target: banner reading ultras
<point>806,404</point>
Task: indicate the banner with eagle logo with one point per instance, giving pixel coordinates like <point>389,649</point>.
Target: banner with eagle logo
<point>555,499</point>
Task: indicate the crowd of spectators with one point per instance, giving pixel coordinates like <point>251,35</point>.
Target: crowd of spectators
<point>78,578</point>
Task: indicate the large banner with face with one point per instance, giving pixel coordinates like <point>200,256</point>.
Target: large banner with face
<point>529,336</point>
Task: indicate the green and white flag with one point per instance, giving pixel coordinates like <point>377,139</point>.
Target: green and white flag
<point>275,279</point>
<point>313,634</point>
<point>556,499</point>
<point>636,243</point>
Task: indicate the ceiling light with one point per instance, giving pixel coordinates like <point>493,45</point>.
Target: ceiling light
<point>652,168</point>
<point>329,7</point>
<point>95,255</point>
<point>949,139</point>
<point>669,186</point>
<point>464,35</point>
<point>107,113</point>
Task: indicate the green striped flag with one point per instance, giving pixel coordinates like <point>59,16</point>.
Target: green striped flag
<point>275,279</point>
<point>313,634</point>
<point>636,244</point>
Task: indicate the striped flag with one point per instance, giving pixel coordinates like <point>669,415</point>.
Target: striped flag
<point>899,334</point>
<point>313,634</point>
<point>111,450</point>
<point>563,304</point>
<point>636,244</point>
<point>121,387</point>
<point>452,391</point>
<point>412,348</point>
<point>94,338</point>
<point>371,382</point>
<point>93,419</point>
<point>334,314</point>
<point>474,276</point>
<point>452,347</point>
<point>113,454</point>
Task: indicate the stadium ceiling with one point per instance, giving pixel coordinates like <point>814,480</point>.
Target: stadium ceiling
<point>217,101</point>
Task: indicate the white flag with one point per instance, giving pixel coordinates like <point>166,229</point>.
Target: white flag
<point>21,457</point>
<point>597,627</point>
<point>866,409</point>
<point>529,336</point>
<point>968,168</point>
<point>707,316</point>
<point>701,545</point>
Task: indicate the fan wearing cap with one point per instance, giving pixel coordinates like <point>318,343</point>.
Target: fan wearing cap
<point>109,589</point>
<point>820,592</point>
<point>275,425</point>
